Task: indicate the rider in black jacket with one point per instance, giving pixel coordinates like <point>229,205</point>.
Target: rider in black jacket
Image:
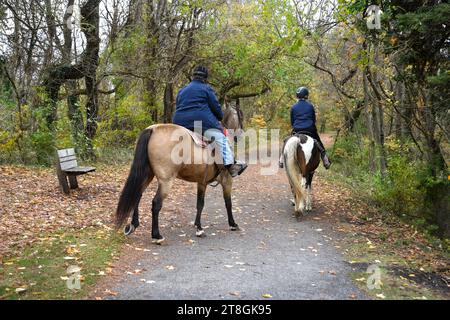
<point>303,120</point>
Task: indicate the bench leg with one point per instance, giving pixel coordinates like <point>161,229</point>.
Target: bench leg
<point>73,182</point>
<point>62,178</point>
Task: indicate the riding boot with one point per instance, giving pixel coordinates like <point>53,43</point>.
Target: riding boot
<point>237,168</point>
<point>281,160</point>
<point>325,160</point>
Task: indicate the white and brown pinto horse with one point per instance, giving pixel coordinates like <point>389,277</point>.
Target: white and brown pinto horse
<point>301,158</point>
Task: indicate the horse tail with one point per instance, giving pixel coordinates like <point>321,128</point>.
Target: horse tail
<point>140,175</point>
<point>293,161</point>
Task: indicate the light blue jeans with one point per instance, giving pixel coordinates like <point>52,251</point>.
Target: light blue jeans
<point>222,144</point>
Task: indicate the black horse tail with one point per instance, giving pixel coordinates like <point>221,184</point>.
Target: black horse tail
<point>138,179</point>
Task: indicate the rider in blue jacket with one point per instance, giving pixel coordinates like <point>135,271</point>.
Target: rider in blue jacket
<point>197,105</point>
<point>303,120</point>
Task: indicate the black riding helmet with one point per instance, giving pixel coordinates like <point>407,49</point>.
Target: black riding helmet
<point>200,73</point>
<point>302,93</point>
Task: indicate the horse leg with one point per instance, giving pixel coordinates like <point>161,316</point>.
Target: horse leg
<point>130,228</point>
<point>201,188</point>
<point>157,202</point>
<point>301,197</point>
<point>308,191</point>
<point>226,187</point>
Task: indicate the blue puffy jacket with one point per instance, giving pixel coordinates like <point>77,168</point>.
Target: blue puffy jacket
<point>197,102</point>
<point>303,115</point>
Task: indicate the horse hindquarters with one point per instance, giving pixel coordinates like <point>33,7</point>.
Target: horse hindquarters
<point>138,179</point>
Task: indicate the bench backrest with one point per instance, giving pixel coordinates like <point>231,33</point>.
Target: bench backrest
<point>67,158</point>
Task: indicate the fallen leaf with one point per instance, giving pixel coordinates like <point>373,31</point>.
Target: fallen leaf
<point>21,290</point>
<point>111,293</point>
<point>71,250</point>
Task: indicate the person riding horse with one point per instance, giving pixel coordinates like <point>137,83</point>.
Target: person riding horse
<point>197,104</point>
<point>303,120</point>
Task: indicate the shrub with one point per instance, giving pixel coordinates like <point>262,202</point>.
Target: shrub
<point>400,191</point>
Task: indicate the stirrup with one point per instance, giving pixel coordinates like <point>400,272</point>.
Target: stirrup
<point>233,167</point>
<point>326,164</point>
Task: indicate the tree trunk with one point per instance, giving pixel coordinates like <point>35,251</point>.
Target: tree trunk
<point>168,103</point>
<point>86,68</point>
<point>369,123</point>
<point>74,112</point>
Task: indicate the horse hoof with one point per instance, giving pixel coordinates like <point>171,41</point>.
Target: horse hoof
<point>129,229</point>
<point>158,241</point>
<point>234,228</point>
<point>200,233</point>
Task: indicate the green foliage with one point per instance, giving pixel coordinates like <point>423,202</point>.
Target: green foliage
<point>407,190</point>
<point>121,125</point>
<point>42,140</point>
<point>400,191</point>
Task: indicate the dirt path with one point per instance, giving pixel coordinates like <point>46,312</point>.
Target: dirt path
<point>274,253</point>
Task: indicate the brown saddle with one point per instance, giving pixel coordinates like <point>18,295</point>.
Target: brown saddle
<point>199,139</point>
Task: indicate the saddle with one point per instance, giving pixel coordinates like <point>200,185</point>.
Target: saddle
<point>199,139</point>
<point>204,143</point>
<point>302,135</point>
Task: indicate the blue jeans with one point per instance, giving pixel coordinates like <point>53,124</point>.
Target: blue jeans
<point>222,144</point>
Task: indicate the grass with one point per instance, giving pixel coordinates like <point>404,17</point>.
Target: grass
<point>393,288</point>
<point>40,271</point>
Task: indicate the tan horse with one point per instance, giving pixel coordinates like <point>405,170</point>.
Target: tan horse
<point>154,156</point>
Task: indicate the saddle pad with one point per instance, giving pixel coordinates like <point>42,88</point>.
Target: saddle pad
<point>199,140</point>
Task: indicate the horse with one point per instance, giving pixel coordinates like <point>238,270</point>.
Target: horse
<point>301,157</point>
<point>153,158</point>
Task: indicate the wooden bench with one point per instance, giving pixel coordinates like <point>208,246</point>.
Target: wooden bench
<point>67,167</point>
